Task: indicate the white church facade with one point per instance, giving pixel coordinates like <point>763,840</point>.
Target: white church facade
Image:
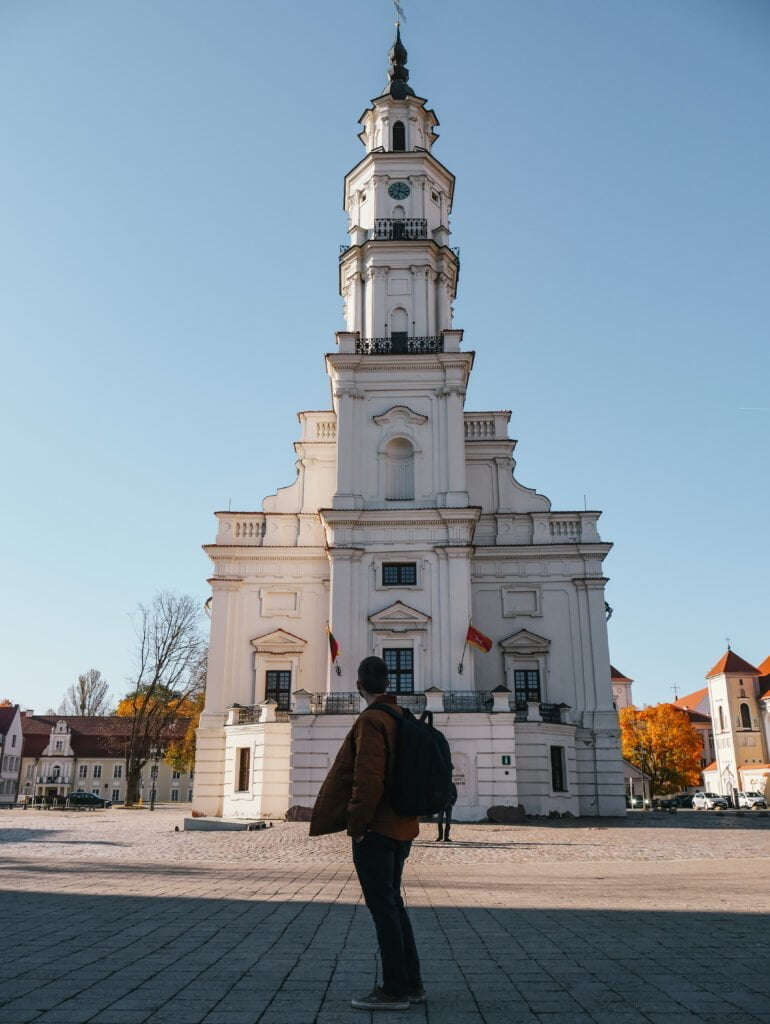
<point>404,525</point>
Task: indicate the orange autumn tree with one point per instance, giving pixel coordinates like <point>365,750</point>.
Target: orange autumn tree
<point>661,742</point>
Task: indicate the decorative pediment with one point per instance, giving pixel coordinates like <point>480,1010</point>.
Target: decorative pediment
<point>402,413</point>
<point>525,642</point>
<point>399,616</point>
<point>279,641</point>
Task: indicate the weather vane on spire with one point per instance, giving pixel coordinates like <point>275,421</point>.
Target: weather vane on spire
<point>400,16</point>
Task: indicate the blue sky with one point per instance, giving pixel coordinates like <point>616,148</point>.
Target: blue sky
<point>170,195</point>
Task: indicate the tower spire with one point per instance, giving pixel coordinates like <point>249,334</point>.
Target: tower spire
<point>398,74</point>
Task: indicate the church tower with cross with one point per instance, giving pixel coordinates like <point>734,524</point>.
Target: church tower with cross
<point>404,535</point>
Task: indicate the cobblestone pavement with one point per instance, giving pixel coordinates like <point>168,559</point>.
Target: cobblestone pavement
<point>114,918</point>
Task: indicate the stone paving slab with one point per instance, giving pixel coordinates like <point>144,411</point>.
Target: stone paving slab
<point>118,919</point>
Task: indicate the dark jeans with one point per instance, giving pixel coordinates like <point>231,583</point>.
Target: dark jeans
<point>445,819</point>
<point>379,863</point>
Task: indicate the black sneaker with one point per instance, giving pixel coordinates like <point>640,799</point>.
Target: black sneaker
<point>379,1000</point>
<point>417,995</point>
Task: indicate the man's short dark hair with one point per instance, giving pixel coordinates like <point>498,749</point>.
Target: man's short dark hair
<point>373,675</point>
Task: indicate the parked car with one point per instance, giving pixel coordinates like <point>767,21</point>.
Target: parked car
<point>752,800</point>
<point>709,802</point>
<point>81,798</point>
<point>637,802</point>
<point>677,801</point>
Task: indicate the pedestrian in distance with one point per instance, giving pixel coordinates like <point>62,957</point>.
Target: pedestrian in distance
<point>445,817</point>
<point>354,798</point>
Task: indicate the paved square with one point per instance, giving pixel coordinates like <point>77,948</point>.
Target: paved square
<point>114,918</point>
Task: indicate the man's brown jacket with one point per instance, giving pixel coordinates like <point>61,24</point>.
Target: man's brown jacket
<point>353,796</point>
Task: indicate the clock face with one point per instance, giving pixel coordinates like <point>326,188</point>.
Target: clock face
<point>398,190</point>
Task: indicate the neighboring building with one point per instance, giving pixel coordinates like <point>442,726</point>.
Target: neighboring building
<point>696,705</point>
<point>739,702</point>
<point>405,523</point>
<point>64,753</point>
<point>10,753</point>
<point>621,689</point>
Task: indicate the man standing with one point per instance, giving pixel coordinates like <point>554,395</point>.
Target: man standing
<point>354,798</point>
<point>445,816</point>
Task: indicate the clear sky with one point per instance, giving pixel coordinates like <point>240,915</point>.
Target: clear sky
<point>170,201</point>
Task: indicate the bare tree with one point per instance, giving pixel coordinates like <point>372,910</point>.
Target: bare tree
<point>168,676</point>
<point>89,696</point>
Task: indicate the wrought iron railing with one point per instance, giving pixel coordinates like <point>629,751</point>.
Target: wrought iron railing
<point>414,701</point>
<point>398,228</point>
<point>335,703</point>
<point>398,346</point>
<point>550,713</point>
<point>468,701</point>
<point>250,715</point>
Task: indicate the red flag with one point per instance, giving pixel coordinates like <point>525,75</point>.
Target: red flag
<point>477,639</point>
<point>334,647</point>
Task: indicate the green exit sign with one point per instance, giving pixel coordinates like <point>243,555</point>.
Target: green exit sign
<point>506,759</point>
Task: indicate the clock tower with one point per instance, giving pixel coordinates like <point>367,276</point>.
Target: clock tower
<point>399,381</point>
<point>398,276</point>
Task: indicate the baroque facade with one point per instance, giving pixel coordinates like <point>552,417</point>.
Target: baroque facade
<point>404,525</point>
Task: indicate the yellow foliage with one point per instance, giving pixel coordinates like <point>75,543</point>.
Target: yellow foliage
<point>662,742</point>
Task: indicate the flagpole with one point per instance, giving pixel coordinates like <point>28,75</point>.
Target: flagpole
<point>465,647</point>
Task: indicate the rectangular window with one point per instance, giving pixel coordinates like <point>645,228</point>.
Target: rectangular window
<point>558,775</point>
<point>13,740</point>
<point>96,791</point>
<point>526,685</point>
<point>117,771</point>
<point>59,745</point>
<point>400,662</point>
<point>30,770</point>
<point>115,795</point>
<point>189,795</point>
<point>278,688</point>
<point>242,765</point>
<point>399,574</point>
<point>83,771</point>
<point>174,796</point>
<point>97,771</point>
<point>176,775</point>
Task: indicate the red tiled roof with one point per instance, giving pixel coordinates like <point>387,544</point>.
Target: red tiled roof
<point>91,736</point>
<point>764,667</point>
<point>616,676</point>
<point>710,767</point>
<point>697,716</point>
<point>690,701</point>
<point>731,662</point>
<point>7,716</point>
<point>748,767</point>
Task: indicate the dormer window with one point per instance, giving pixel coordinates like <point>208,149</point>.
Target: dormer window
<point>399,137</point>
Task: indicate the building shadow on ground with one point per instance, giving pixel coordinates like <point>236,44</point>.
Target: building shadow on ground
<point>206,957</point>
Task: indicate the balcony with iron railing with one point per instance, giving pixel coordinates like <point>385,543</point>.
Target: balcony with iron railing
<point>397,344</point>
<point>399,229</point>
<point>453,702</point>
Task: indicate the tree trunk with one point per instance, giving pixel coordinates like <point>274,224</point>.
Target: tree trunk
<point>133,785</point>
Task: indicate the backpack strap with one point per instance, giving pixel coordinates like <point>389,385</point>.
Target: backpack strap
<point>389,709</point>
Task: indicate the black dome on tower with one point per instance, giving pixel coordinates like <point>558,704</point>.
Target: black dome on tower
<point>398,75</point>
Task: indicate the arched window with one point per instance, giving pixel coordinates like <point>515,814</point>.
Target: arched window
<point>721,719</point>
<point>399,330</point>
<point>745,717</point>
<point>399,470</point>
<point>399,136</point>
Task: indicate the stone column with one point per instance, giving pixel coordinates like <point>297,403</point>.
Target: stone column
<point>348,618</point>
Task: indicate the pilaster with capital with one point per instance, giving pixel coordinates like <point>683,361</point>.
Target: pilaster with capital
<point>348,616</point>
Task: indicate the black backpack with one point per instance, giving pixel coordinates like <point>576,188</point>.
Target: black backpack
<point>422,775</point>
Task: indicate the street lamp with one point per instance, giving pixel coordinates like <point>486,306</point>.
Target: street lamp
<point>156,753</point>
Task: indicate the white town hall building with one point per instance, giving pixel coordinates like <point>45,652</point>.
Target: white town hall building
<point>404,525</point>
